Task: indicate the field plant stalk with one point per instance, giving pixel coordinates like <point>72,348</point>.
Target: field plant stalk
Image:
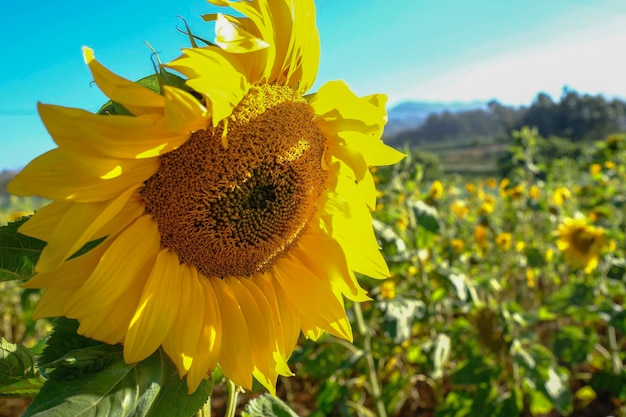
<point>233,395</point>
<point>369,357</point>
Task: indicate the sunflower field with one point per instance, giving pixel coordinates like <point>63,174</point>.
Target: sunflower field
<point>506,298</point>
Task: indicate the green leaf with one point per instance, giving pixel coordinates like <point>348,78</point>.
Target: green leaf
<point>475,372</point>
<point>24,388</point>
<point>535,257</point>
<point>426,216</point>
<point>90,378</point>
<point>572,344</point>
<point>18,253</point>
<point>18,376</point>
<point>267,406</point>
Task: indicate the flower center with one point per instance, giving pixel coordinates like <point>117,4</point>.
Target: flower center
<point>232,204</point>
<point>582,240</point>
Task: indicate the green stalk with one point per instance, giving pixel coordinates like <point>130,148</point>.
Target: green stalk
<point>369,357</point>
<point>233,394</point>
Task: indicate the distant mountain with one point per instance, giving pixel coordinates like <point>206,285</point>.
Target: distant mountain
<point>411,114</point>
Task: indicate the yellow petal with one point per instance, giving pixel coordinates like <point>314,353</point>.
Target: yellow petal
<point>52,303</point>
<point>354,232</point>
<point>210,343</point>
<point>257,315</point>
<point>45,220</point>
<point>54,175</point>
<point>136,98</point>
<point>157,308</point>
<point>110,322</point>
<point>188,324</point>
<point>287,325</point>
<point>235,40</point>
<point>221,79</point>
<point>305,289</point>
<point>325,258</point>
<point>83,133</point>
<point>183,112</point>
<point>236,352</point>
<point>124,259</point>
<point>72,273</point>
<point>77,227</point>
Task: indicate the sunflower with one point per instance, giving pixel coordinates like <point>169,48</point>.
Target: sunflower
<point>580,243</point>
<point>231,213</point>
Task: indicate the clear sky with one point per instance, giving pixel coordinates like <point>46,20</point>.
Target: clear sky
<point>439,50</point>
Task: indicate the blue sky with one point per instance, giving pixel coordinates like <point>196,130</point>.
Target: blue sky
<point>440,50</point>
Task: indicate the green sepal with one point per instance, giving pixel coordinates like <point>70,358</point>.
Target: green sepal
<point>18,253</point>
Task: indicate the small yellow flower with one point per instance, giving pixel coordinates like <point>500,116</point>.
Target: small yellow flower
<point>515,192</point>
<point>504,240</point>
<point>403,221</point>
<point>519,246</point>
<point>580,243</point>
<point>502,187</point>
<point>388,290</point>
<point>486,207</point>
<point>412,270</point>
<point>459,208</point>
<point>470,187</point>
<point>436,190</point>
<point>560,195</point>
<point>457,245</point>
<point>609,165</point>
<point>491,183</point>
<point>534,192</point>
<point>595,169</point>
<point>615,139</point>
<point>530,278</point>
<point>549,255</point>
<point>480,234</point>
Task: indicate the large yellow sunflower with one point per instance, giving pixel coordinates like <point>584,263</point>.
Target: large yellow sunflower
<point>233,216</point>
<point>580,243</point>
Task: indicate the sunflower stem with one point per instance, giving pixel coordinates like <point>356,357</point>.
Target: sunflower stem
<point>369,357</point>
<point>233,394</point>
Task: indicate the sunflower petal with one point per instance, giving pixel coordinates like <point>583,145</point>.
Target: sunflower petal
<point>209,346</point>
<point>77,227</point>
<point>315,246</point>
<point>305,289</point>
<point>136,98</point>
<point>236,353</point>
<point>124,259</point>
<point>257,313</point>
<point>186,330</point>
<point>221,79</point>
<point>83,133</point>
<point>54,175</point>
<point>235,40</point>
<point>157,308</point>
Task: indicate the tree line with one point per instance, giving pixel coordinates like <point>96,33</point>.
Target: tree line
<point>577,117</point>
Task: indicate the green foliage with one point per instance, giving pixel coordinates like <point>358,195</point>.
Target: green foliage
<point>18,253</point>
<point>90,378</point>
<point>267,406</point>
<point>18,374</point>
